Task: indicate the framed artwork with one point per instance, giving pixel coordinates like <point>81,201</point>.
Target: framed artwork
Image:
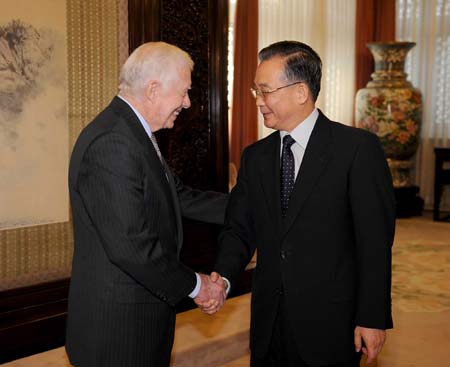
<point>33,114</point>
<point>59,65</point>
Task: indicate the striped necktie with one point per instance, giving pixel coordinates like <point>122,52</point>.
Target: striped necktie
<point>155,145</point>
<point>161,158</point>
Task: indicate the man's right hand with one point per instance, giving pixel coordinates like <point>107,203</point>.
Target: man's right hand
<point>212,294</point>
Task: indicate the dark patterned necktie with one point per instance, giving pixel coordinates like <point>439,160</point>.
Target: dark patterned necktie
<point>287,173</point>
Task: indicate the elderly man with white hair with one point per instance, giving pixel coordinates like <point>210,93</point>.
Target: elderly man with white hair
<point>127,207</point>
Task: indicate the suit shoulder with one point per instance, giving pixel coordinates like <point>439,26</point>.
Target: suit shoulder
<point>262,144</point>
<point>105,127</point>
<point>352,135</point>
<point>105,123</point>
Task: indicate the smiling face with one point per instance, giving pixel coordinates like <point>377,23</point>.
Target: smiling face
<point>285,108</point>
<point>172,97</point>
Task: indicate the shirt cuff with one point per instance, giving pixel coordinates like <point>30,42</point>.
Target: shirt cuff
<point>227,290</point>
<point>196,290</point>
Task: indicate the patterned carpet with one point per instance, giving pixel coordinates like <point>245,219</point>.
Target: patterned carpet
<point>421,266</point>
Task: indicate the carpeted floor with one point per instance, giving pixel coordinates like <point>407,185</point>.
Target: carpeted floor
<point>420,296</point>
<point>421,266</point>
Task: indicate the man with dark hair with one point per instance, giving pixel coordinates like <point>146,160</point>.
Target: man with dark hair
<point>315,198</point>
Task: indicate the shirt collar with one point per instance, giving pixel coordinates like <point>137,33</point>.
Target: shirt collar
<point>141,118</point>
<point>303,130</point>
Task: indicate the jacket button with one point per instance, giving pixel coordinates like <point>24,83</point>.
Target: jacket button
<point>283,255</point>
<point>279,291</point>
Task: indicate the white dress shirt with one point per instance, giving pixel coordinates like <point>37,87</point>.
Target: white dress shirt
<point>301,136</point>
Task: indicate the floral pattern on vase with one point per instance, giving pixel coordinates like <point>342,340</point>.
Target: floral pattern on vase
<point>393,116</point>
<point>391,108</point>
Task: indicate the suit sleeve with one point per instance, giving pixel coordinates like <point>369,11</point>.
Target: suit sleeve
<point>111,187</point>
<point>205,206</point>
<point>373,211</point>
<point>236,241</point>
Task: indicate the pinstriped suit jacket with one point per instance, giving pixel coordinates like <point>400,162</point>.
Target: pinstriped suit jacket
<point>126,274</point>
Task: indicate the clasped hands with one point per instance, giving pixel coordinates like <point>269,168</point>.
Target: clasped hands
<point>212,294</point>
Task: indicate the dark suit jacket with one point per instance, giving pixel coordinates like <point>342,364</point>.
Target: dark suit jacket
<point>126,274</point>
<point>330,255</point>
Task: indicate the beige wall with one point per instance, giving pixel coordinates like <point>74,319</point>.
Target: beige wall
<point>95,29</point>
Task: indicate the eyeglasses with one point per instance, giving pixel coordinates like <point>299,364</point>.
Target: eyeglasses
<point>265,93</point>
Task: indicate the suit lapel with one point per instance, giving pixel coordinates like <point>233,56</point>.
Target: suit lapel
<point>158,170</point>
<point>314,161</point>
<point>270,177</point>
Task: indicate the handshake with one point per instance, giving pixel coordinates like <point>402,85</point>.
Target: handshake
<point>212,294</point>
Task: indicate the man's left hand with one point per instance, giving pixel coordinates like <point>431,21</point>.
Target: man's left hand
<point>373,341</point>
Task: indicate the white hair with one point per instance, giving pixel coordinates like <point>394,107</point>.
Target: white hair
<point>151,61</point>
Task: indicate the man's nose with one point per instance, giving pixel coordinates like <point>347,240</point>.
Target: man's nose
<point>186,101</point>
<point>260,100</point>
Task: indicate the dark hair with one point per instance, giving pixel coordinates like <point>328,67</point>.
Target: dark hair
<point>302,63</point>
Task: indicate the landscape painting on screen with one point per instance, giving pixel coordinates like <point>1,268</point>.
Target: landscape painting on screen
<point>34,135</point>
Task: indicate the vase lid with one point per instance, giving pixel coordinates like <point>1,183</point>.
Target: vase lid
<point>391,44</point>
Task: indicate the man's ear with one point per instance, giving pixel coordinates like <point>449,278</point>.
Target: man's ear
<point>302,93</point>
<point>152,90</point>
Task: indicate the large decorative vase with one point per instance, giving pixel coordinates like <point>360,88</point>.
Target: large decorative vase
<point>391,108</point>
